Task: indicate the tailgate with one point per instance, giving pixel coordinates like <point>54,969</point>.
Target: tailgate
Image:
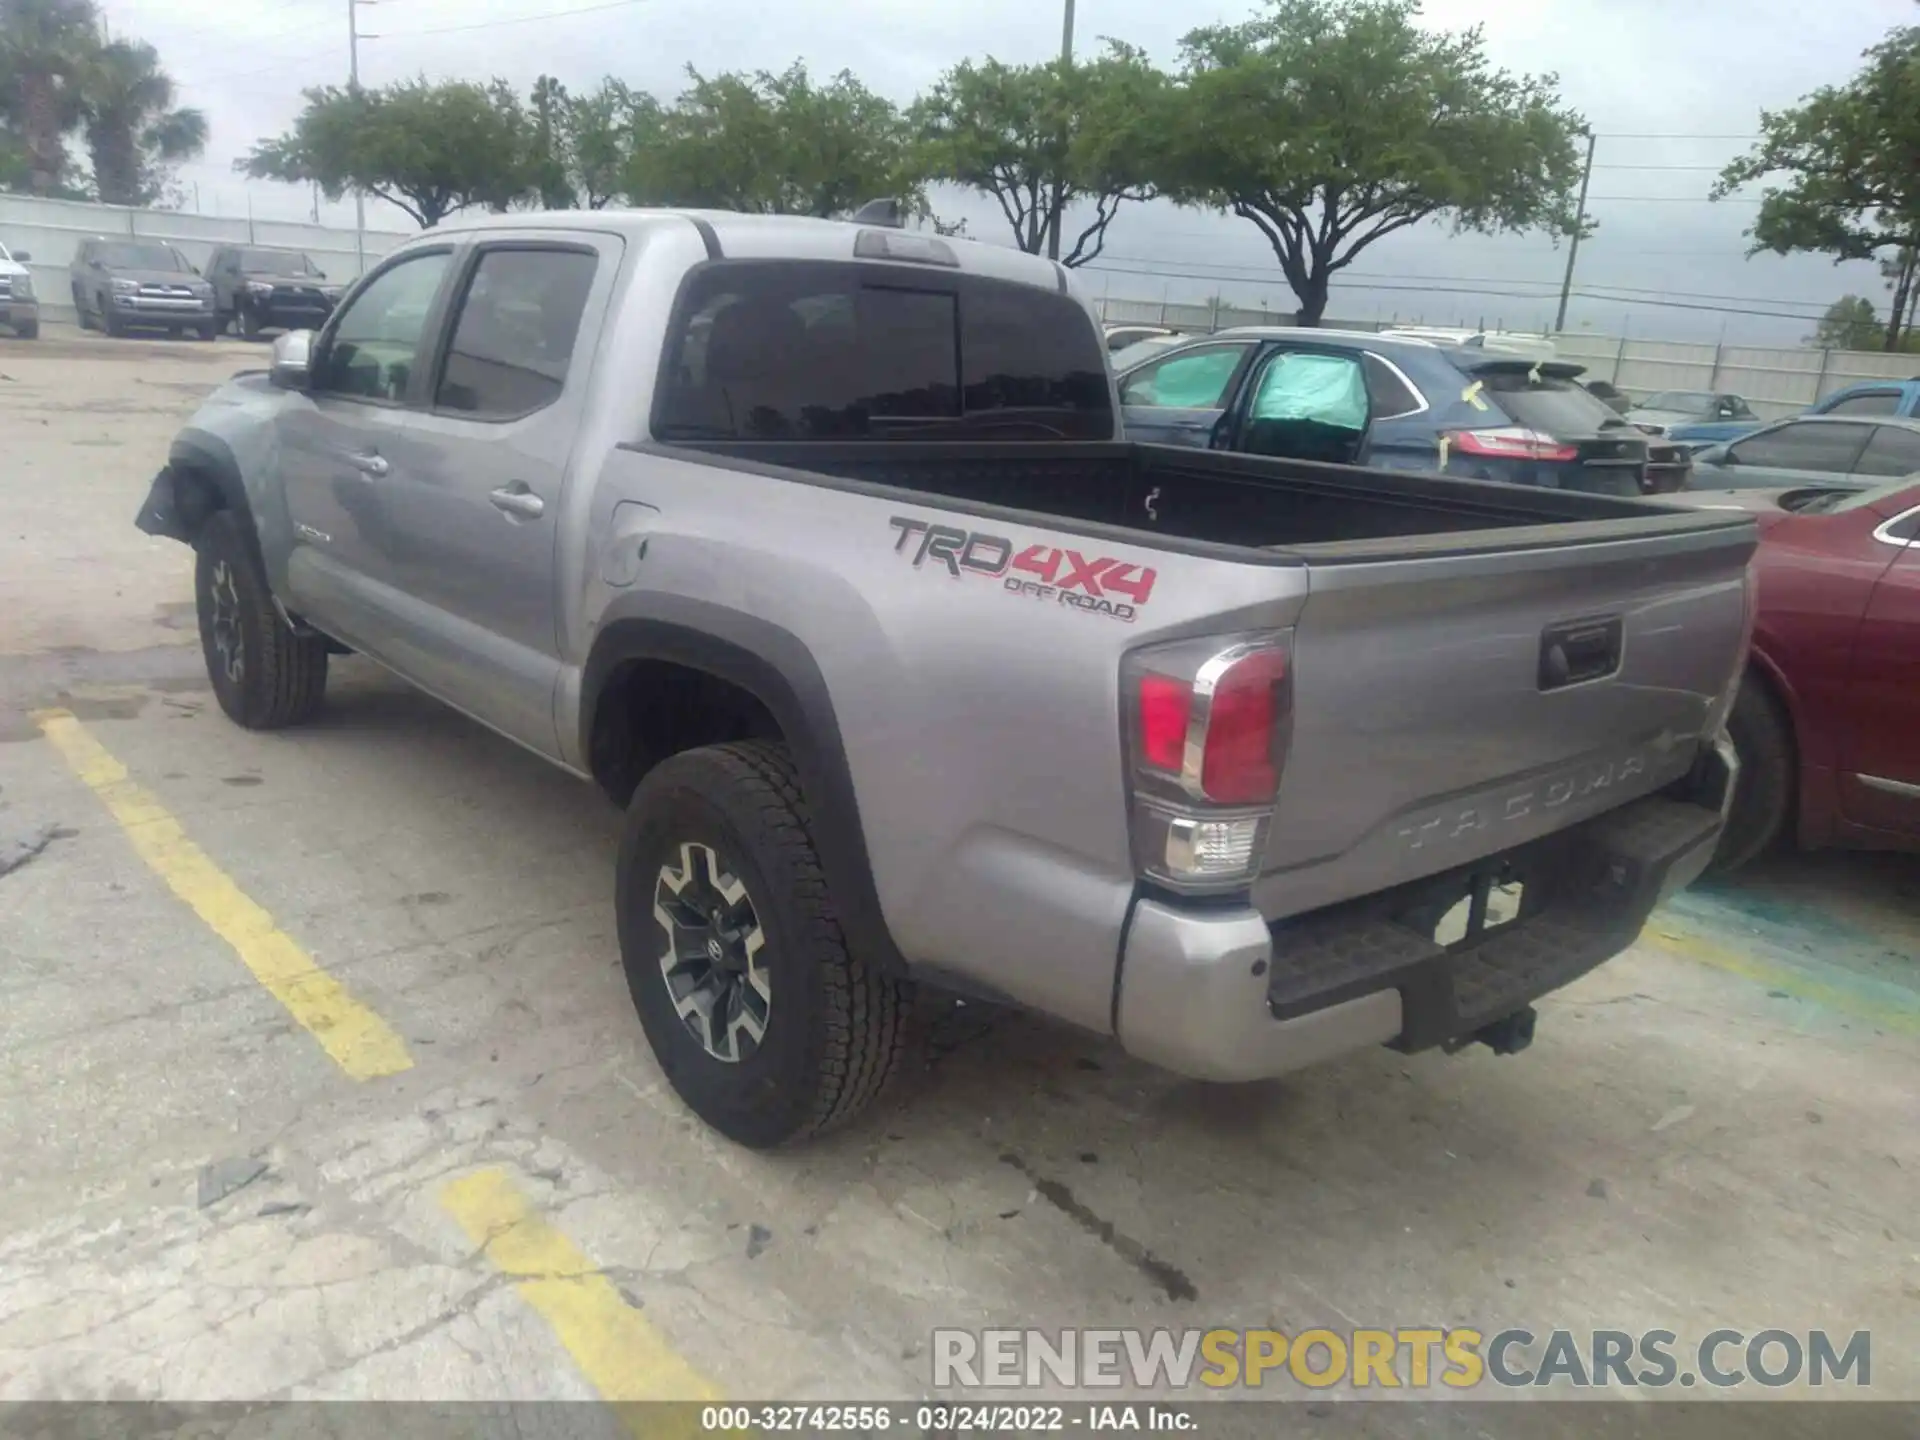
<point>1451,705</point>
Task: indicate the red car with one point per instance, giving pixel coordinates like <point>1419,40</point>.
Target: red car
<point>1827,722</point>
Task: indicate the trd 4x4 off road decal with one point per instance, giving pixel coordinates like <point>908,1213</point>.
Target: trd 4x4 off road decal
<point>1101,584</point>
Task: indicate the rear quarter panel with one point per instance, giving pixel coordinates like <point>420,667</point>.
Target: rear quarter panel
<point>981,726</point>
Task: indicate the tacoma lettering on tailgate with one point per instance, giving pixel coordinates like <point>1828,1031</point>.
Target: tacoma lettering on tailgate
<point>1040,572</point>
<point>1452,824</point>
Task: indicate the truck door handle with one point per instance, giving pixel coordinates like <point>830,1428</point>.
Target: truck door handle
<point>517,499</point>
<point>374,465</point>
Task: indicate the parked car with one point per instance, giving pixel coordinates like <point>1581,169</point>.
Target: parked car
<point>819,547</point>
<point>121,285</point>
<point>1463,410</point>
<point>1898,399</point>
<point>19,310</point>
<point>1811,450</point>
<point>261,288</point>
<point>1694,417</point>
<point>1610,395</point>
<point>1827,724</point>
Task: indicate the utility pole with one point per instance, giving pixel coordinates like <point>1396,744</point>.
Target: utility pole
<point>1579,224</point>
<point>353,84</point>
<point>1059,184</point>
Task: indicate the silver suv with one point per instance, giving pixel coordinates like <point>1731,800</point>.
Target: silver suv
<point>122,285</point>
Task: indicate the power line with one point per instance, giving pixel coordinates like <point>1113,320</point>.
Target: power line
<point>1741,139</point>
<point>511,20</point>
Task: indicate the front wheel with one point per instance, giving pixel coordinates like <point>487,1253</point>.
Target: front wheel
<point>28,329</point>
<point>762,1020</point>
<point>264,675</point>
<point>249,322</point>
<point>210,330</point>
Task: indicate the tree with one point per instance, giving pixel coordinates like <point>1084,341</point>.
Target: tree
<point>1849,324</point>
<point>604,130</point>
<point>774,144</point>
<point>134,131</point>
<point>550,144</point>
<point>1331,124</point>
<point>1042,139</point>
<point>429,148</point>
<point>45,46</point>
<point>1851,178</point>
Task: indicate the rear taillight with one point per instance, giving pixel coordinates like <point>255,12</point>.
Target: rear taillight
<point>1512,442</point>
<point>1208,724</point>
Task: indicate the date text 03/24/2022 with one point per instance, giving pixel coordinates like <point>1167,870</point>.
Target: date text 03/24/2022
<point>948,1418</point>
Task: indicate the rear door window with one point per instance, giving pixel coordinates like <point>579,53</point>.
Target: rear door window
<point>1390,395</point>
<point>1552,405</point>
<point>513,341</point>
<point>1892,452</point>
<point>1826,449</point>
<point>830,351</point>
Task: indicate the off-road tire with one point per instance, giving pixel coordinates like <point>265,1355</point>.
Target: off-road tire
<point>1763,795</point>
<point>836,1025</point>
<point>282,676</point>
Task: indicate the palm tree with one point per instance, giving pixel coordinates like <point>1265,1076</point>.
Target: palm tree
<point>45,46</point>
<point>133,128</point>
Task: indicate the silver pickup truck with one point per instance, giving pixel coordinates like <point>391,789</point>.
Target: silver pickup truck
<point>817,547</point>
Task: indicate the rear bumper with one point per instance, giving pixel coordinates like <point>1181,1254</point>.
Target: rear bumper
<point>1225,996</point>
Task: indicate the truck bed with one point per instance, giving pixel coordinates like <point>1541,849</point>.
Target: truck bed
<point>1427,729</point>
<point>1213,498</point>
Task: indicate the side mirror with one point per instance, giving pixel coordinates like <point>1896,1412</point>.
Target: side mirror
<point>22,256</point>
<point>292,364</point>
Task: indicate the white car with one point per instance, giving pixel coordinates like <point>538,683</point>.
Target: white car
<point>19,309</point>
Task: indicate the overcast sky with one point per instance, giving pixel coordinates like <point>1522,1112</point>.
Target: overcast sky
<point>1636,68</point>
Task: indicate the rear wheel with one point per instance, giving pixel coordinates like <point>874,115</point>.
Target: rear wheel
<point>264,675</point>
<point>1763,795</point>
<point>763,1022</point>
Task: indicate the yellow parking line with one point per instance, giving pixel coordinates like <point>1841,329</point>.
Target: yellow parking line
<point>613,1345</point>
<point>1902,1017</point>
<point>360,1042</point>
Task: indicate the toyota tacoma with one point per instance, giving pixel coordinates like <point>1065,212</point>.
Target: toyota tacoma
<point>818,547</point>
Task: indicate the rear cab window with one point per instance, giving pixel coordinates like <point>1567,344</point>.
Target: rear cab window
<point>833,350</point>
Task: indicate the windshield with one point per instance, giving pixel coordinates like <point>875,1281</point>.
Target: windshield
<point>1686,402</point>
<point>276,262</point>
<point>1549,404</point>
<point>126,255</point>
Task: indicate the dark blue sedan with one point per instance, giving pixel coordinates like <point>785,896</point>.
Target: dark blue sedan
<point>1458,409</point>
